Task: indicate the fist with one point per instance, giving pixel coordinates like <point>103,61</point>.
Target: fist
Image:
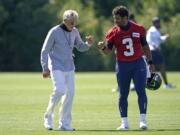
<point>101,45</point>
<point>46,74</point>
<point>90,39</point>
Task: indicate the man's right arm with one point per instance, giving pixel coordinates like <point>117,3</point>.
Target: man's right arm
<point>48,43</point>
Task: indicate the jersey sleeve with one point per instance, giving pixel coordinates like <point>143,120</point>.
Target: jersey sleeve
<point>143,36</point>
<point>110,36</point>
<point>142,31</point>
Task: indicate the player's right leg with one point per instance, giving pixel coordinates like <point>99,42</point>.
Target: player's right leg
<point>123,80</point>
<point>58,81</point>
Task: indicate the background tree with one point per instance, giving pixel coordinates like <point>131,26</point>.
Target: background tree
<point>25,23</point>
<point>22,31</point>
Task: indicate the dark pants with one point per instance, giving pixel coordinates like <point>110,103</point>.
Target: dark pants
<point>157,57</point>
<point>125,71</point>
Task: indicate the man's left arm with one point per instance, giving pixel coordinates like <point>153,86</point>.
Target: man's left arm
<point>81,45</point>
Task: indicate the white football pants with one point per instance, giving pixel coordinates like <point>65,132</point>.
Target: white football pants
<point>63,89</point>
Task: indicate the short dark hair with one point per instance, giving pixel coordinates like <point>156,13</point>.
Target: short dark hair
<point>121,11</point>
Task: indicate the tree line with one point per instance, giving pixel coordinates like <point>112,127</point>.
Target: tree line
<point>25,23</point>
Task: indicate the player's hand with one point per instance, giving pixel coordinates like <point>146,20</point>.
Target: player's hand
<point>151,68</point>
<point>101,45</point>
<point>90,39</point>
<point>46,74</point>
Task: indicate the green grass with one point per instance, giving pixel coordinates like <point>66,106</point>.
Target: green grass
<point>24,98</point>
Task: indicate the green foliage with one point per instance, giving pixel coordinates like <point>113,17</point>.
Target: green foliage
<point>22,34</point>
<point>25,23</point>
<point>172,48</point>
<point>168,8</point>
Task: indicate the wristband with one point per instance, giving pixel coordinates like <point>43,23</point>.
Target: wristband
<point>150,62</point>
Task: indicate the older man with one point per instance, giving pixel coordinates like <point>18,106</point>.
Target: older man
<point>57,63</point>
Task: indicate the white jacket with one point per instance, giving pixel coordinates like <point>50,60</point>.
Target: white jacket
<point>154,38</point>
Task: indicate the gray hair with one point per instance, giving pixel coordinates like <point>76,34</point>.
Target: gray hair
<point>70,14</point>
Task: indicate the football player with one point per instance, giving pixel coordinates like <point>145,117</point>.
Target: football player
<point>129,41</point>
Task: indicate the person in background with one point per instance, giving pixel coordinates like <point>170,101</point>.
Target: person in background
<point>154,39</point>
<point>132,18</point>
<point>58,64</point>
<point>129,41</point>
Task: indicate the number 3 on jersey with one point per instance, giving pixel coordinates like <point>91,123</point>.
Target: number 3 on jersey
<point>129,46</point>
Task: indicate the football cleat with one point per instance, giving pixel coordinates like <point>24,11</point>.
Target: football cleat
<point>123,127</point>
<point>143,125</point>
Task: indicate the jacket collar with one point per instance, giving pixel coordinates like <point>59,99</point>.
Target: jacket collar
<point>63,26</point>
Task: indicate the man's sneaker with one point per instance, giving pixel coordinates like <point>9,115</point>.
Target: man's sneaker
<point>48,121</point>
<point>169,86</point>
<point>123,127</point>
<point>143,125</point>
<point>66,129</point>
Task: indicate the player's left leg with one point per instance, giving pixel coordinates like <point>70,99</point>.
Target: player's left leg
<point>66,107</point>
<point>139,77</point>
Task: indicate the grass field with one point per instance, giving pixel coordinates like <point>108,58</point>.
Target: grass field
<point>24,97</point>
